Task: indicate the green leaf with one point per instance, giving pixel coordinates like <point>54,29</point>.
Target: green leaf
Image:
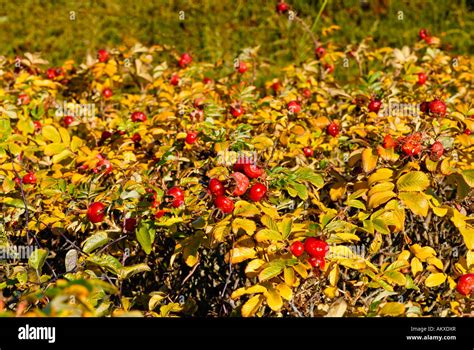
<point>37,259</point>
<point>128,271</point>
<point>272,269</point>
<point>285,227</point>
<point>61,156</point>
<point>50,133</point>
<point>468,176</point>
<point>355,203</point>
<point>95,241</point>
<point>146,236</point>
<point>300,189</point>
<point>307,174</point>
<point>106,261</point>
<point>268,235</point>
<point>413,181</point>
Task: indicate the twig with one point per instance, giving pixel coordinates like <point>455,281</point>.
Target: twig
<point>190,273</point>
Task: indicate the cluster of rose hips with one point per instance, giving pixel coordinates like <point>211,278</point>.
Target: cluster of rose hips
<point>411,145</point>
<point>425,35</point>
<point>237,185</point>
<point>54,72</point>
<point>316,249</point>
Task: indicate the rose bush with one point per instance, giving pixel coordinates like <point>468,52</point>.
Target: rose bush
<point>123,172</point>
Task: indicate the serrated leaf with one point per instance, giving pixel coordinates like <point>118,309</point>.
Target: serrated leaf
<point>413,181</point>
<point>383,174</point>
<point>268,235</point>
<point>246,209</point>
<point>247,225</point>
<point>240,254</point>
<point>272,269</point>
<point>416,202</point>
<point>380,198</point>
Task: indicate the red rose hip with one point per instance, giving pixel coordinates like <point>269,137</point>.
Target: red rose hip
<point>216,187</point>
<point>316,247</point>
<point>257,192</point>
<point>224,204</point>
<point>96,212</point>
<point>465,284</point>
<point>297,248</point>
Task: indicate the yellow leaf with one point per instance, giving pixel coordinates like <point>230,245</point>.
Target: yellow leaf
<point>274,300</point>
<point>262,142</point>
<point>435,262</point>
<point>285,291</point>
<point>337,191</point>
<point>422,253</point>
<point>416,202</point>
<point>240,254</point>
<point>269,210</point>
<point>334,275</point>
<point>369,160</point>
<point>413,181</point>
<point>253,266</point>
<point>468,235</point>
<point>247,225</point>
<point>404,255</point>
<point>251,306</point>
<point>50,133</point>
<point>250,290</point>
<point>381,187</point>
<point>54,148</point>
<point>380,198</point>
<point>330,292</point>
<point>65,136</point>
<point>435,279</point>
<point>383,174</point>
<point>469,259</point>
<point>392,309</point>
<point>395,277</point>
<point>289,276</point>
<point>416,266</point>
<point>268,235</point>
<point>301,270</point>
<point>246,209</point>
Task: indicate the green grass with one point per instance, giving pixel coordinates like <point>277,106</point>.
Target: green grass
<point>219,30</point>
